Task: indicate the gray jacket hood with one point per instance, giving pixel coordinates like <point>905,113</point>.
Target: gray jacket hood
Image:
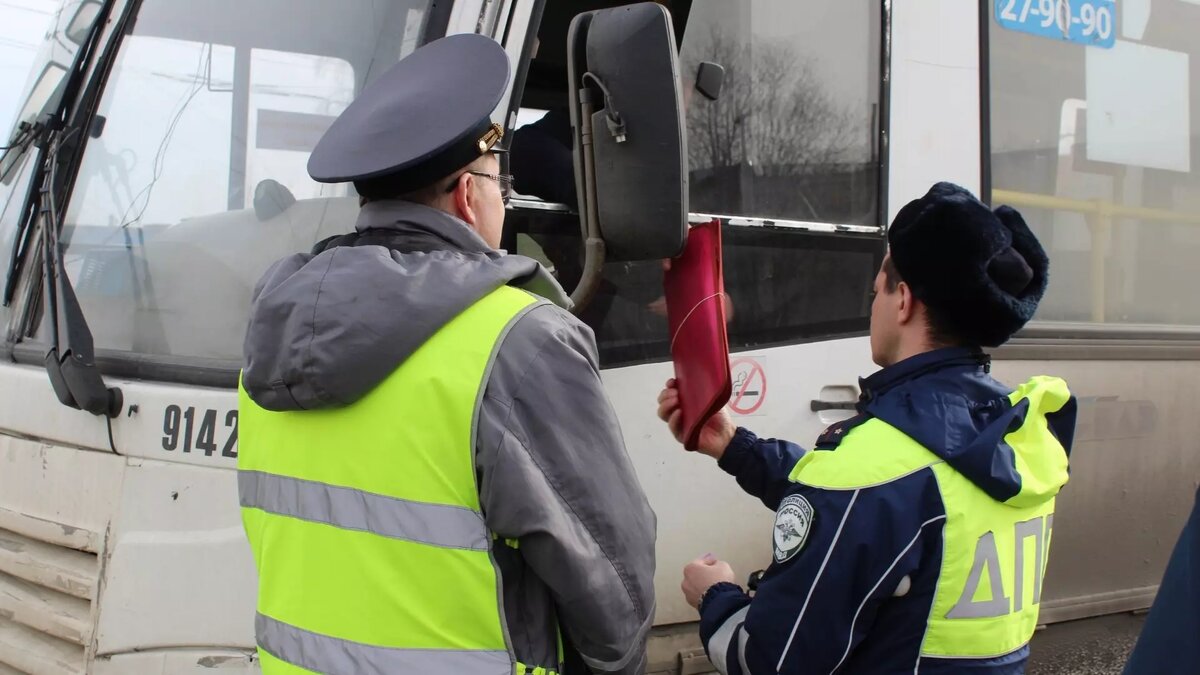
<point>327,327</point>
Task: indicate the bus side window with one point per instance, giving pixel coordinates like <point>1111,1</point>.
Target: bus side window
<point>1098,145</point>
<point>791,144</point>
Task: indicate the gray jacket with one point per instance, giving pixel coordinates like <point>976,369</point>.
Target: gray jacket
<point>327,327</point>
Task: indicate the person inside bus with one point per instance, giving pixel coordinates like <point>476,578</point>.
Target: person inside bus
<point>542,158</point>
<point>912,537</point>
<point>432,477</point>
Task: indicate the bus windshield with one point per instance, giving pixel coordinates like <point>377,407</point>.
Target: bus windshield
<point>194,179</point>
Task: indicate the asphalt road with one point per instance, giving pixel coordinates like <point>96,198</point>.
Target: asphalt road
<point>1089,647</point>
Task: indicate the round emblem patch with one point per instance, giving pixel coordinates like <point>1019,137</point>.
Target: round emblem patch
<point>793,521</point>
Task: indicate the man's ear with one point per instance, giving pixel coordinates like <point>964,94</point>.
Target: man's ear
<point>908,303</point>
<point>464,199</point>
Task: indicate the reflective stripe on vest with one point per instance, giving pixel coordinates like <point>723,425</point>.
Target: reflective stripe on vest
<point>324,654</point>
<point>364,520</point>
<point>993,553</point>
<point>349,509</point>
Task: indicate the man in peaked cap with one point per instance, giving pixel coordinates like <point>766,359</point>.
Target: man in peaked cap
<point>913,537</point>
<point>431,477</point>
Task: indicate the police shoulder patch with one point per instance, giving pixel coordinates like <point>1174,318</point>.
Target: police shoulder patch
<point>793,521</point>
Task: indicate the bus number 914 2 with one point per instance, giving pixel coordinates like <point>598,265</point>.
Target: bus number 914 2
<point>187,429</point>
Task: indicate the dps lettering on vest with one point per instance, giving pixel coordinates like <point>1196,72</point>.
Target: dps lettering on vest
<point>980,600</point>
<point>990,580</point>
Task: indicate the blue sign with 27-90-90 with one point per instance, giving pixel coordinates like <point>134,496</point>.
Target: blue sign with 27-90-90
<point>1087,22</point>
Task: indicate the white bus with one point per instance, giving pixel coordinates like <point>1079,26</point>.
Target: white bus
<point>179,175</point>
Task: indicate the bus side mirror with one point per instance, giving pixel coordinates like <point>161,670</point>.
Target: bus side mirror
<point>630,138</point>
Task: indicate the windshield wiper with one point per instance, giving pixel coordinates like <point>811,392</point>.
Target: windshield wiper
<point>29,134</point>
<point>70,362</point>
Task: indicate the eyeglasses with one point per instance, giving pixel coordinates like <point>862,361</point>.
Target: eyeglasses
<point>503,179</point>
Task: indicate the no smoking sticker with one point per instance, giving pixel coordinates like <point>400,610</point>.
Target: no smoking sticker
<point>749,386</point>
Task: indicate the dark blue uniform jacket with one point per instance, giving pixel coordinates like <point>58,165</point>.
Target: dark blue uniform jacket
<point>858,596</point>
<point>1170,640</point>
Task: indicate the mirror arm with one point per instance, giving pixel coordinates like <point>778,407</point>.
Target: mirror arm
<point>594,248</point>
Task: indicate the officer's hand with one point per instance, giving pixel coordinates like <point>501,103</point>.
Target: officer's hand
<point>718,431</point>
<point>701,574</point>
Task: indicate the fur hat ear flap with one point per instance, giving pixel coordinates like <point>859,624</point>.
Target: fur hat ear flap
<point>1027,245</point>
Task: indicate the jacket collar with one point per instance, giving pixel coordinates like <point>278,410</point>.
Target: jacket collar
<point>921,364</point>
<point>410,218</point>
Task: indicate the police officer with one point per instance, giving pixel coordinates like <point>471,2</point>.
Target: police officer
<point>912,537</point>
<point>431,476</point>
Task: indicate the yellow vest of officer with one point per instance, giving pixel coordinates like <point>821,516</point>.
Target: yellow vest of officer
<point>365,522</point>
<point>993,553</point>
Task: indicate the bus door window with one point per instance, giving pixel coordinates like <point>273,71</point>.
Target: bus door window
<point>625,313</point>
<point>792,144</point>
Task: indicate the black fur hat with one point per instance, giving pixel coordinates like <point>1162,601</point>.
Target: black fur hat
<point>983,272</point>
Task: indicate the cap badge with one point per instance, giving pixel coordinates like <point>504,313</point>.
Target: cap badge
<point>490,138</point>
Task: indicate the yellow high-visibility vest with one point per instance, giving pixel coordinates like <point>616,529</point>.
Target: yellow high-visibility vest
<point>365,523</point>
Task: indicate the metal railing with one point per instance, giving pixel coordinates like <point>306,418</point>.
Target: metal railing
<point>1100,216</point>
